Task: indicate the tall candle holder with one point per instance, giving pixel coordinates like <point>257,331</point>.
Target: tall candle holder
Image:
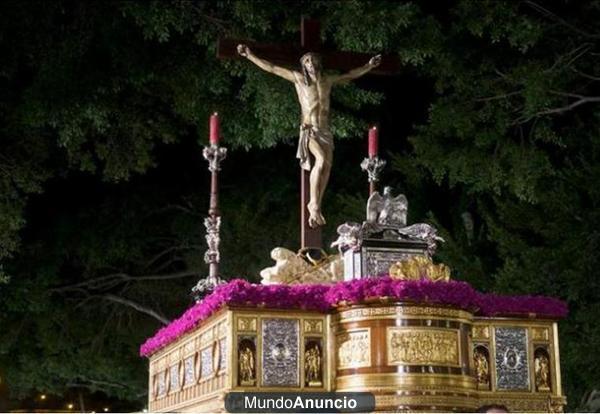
<point>373,165</point>
<point>214,154</point>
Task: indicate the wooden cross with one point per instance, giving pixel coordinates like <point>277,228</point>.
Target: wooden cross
<point>289,55</point>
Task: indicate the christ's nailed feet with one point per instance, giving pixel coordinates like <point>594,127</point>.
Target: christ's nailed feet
<point>315,218</point>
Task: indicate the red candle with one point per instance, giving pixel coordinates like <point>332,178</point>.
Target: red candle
<point>373,141</point>
<point>215,130</point>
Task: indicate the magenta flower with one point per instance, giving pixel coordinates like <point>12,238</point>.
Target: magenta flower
<point>323,298</point>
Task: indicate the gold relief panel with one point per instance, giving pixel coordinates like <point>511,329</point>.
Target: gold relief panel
<point>417,346</point>
<point>313,326</point>
<point>481,332</point>
<point>246,324</point>
<point>354,349</point>
<point>540,334</point>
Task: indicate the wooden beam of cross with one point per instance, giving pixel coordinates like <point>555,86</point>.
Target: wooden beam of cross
<point>289,55</point>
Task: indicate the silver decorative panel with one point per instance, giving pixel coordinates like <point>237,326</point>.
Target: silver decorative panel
<point>378,261</point>
<point>188,369</point>
<point>162,389</point>
<point>512,366</point>
<point>280,346</point>
<point>374,260</point>
<point>174,376</point>
<point>206,358</point>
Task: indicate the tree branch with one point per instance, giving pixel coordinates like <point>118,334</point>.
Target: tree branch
<point>581,99</point>
<point>549,14</point>
<point>86,382</point>
<point>136,306</point>
<point>497,97</point>
<point>586,75</point>
<point>114,279</point>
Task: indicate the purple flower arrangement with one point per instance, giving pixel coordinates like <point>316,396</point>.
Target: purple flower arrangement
<point>323,298</point>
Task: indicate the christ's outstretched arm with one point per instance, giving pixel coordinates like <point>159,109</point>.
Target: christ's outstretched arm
<point>358,72</point>
<point>265,65</point>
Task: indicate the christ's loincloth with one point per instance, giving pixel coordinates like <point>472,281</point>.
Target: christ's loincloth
<point>323,137</point>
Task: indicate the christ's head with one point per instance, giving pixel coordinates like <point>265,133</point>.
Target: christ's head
<point>311,66</point>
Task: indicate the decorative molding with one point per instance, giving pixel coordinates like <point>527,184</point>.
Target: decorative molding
<point>407,310</point>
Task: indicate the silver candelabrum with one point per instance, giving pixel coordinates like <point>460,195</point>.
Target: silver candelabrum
<point>214,155</point>
<point>373,166</point>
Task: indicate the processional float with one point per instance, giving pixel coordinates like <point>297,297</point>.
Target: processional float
<point>379,316</point>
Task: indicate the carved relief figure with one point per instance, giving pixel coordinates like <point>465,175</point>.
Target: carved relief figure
<point>418,347</point>
<point>482,368</point>
<point>246,366</point>
<point>312,366</point>
<point>542,372</point>
<point>354,350</point>
<point>313,88</point>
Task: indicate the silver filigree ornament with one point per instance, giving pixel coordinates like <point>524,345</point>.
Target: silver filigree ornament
<point>213,226</point>
<point>373,166</point>
<point>212,257</point>
<point>280,361</point>
<point>214,155</point>
<point>512,365</point>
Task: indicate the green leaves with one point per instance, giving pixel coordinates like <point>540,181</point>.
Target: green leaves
<point>503,160</point>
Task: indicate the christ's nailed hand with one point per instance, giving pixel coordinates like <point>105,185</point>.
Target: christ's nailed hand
<point>375,60</point>
<point>243,50</point>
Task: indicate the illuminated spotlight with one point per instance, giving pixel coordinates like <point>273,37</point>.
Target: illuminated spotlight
<point>145,410</point>
<point>105,409</point>
<point>43,397</point>
<point>70,406</point>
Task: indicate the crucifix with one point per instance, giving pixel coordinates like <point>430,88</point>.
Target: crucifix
<point>315,149</point>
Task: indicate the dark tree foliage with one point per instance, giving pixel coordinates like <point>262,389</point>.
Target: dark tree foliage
<point>491,127</point>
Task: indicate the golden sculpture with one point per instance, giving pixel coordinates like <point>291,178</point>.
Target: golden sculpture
<point>482,369</point>
<point>312,366</point>
<point>419,267</point>
<point>313,88</point>
<point>542,373</point>
<point>246,366</point>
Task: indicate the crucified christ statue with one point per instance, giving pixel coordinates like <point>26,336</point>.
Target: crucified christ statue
<point>313,88</point>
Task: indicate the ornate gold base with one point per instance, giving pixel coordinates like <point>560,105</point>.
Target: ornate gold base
<point>412,358</point>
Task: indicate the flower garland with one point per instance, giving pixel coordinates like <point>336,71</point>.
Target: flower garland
<point>323,298</point>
